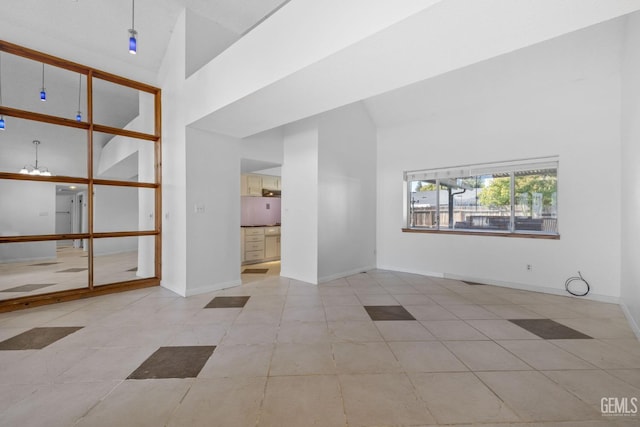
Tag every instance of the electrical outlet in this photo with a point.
(529, 267)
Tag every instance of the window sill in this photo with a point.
(484, 233)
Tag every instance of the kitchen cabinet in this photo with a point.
(260, 244)
(272, 247)
(252, 185)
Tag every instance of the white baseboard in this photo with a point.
(632, 322)
(342, 274)
(212, 287)
(521, 286)
(410, 271)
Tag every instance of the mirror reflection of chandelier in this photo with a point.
(36, 170)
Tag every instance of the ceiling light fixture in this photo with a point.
(79, 115)
(2, 127)
(133, 42)
(43, 92)
(35, 170)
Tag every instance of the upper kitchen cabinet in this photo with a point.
(252, 185)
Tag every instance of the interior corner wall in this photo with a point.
(630, 203)
(578, 120)
(266, 146)
(299, 240)
(213, 212)
(346, 192)
(174, 211)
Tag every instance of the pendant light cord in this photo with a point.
(43, 76)
(133, 14)
(1, 78)
(79, 90)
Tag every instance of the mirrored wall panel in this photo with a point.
(120, 259)
(123, 208)
(123, 159)
(30, 208)
(38, 148)
(42, 88)
(32, 268)
(123, 107)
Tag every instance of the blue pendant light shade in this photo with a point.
(1, 123)
(133, 42)
(43, 92)
(79, 114)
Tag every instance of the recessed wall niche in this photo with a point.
(79, 181)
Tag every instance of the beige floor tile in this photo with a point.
(220, 402)
(302, 401)
(553, 311)
(304, 332)
(430, 312)
(353, 331)
(630, 376)
(591, 386)
(377, 299)
(251, 333)
(541, 354)
(333, 300)
(43, 366)
(346, 312)
(59, 405)
(460, 397)
(304, 314)
(403, 330)
(112, 363)
(365, 357)
(534, 397)
(599, 327)
(502, 330)
(453, 330)
(263, 317)
(303, 301)
(413, 299)
(198, 334)
(471, 311)
(138, 402)
(485, 356)
(426, 356)
(600, 354)
(215, 315)
(382, 400)
(302, 359)
(447, 300)
(10, 394)
(511, 311)
(238, 361)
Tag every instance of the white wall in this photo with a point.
(577, 118)
(213, 212)
(299, 240)
(174, 244)
(265, 146)
(346, 192)
(630, 202)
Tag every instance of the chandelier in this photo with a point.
(35, 170)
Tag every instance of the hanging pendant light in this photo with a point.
(35, 170)
(79, 114)
(2, 125)
(43, 92)
(133, 42)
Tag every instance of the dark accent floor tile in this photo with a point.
(133, 269)
(37, 338)
(72, 270)
(473, 283)
(41, 264)
(174, 362)
(549, 329)
(28, 288)
(227, 302)
(388, 312)
(255, 271)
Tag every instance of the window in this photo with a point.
(517, 197)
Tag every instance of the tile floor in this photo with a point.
(293, 354)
